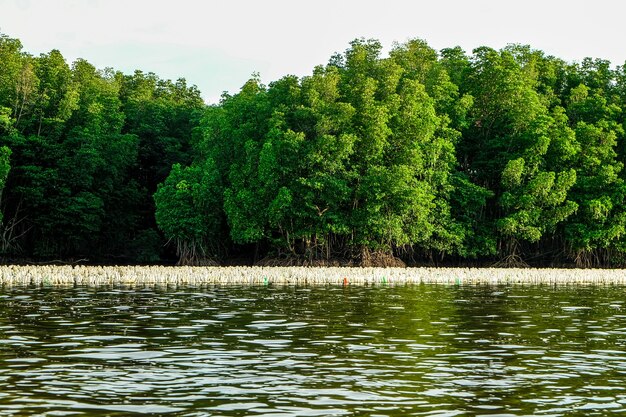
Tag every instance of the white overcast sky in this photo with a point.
(217, 45)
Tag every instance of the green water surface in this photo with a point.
(428, 350)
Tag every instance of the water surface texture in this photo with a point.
(426, 350)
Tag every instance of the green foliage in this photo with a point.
(79, 186)
(498, 154)
(188, 210)
(468, 202)
(469, 155)
(5, 154)
(517, 139)
(5, 166)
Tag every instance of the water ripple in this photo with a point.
(333, 351)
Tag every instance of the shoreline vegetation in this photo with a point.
(197, 276)
(507, 157)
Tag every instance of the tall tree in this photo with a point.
(595, 235)
(189, 211)
(509, 145)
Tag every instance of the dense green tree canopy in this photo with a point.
(507, 156)
(83, 168)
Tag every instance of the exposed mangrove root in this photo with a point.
(365, 259)
(302, 261)
(193, 254)
(511, 261)
(380, 259)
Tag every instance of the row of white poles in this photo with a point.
(161, 275)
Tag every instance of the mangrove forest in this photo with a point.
(416, 156)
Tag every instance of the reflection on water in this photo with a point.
(317, 351)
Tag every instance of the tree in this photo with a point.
(189, 211)
(595, 234)
(5, 166)
(508, 148)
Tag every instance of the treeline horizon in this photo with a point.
(507, 157)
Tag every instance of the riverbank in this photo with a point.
(164, 275)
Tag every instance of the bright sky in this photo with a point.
(218, 44)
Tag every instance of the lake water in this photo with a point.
(426, 350)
